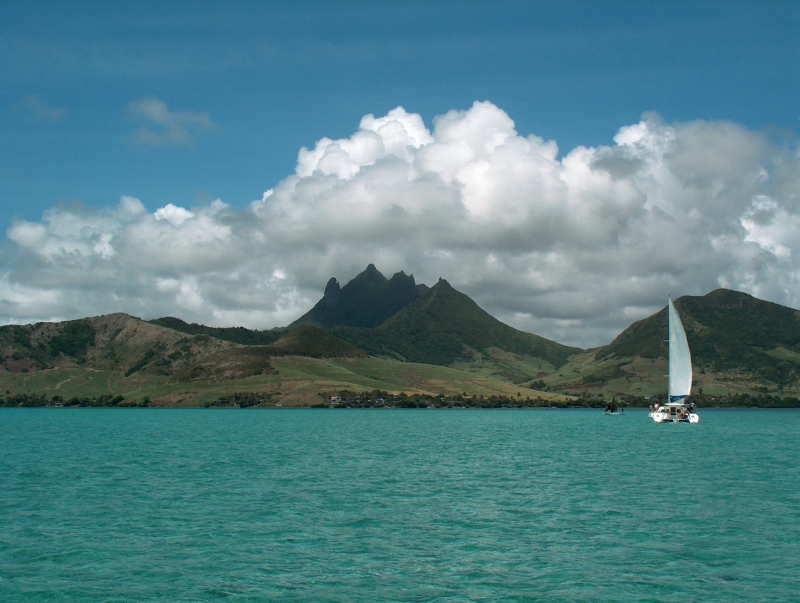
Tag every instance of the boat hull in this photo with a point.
(666, 417)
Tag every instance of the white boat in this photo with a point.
(680, 376)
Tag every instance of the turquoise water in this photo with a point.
(420, 505)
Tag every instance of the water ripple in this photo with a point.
(205, 505)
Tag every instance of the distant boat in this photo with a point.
(680, 376)
(613, 409)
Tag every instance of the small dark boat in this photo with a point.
(613, 409)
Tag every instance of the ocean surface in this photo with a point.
(118, 505)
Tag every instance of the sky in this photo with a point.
(566, 164)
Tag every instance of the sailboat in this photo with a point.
(680, 376)
(613, 409)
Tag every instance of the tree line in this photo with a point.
(41, 400)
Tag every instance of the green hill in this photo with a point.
(229, 365)
(445, 326)
(115, 342)
(314, 342)
(248, 361)
(738, 343)
(366, 301)
(729, 332)
(238, 335)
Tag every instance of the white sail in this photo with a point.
(680, 360)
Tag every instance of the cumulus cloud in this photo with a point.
(39, 109)
(165, 127)
(573, 248)
(172, 214)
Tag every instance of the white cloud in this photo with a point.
(165, 127)
(398, 134)
(572, 248)
(172, 214)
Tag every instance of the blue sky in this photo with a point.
(277, 76)
(184, 103)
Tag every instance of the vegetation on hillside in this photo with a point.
(238, 335)
(442, 340)
(115, 342)
(41, 400)
(243, 400)
(230, 364)
(314, 342)
(74, 340)
(31, 347)
(728, 332)
(17, 352)
(383, 399)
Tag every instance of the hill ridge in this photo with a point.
(728, 331)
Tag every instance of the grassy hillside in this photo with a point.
(441, 342)
(238, 335)
(739, 344)
(287, 380)
(113, 342)
(729, 332)
(366, 301)
(229, 365)
(444, 327)
(314, 342)
(32, 347)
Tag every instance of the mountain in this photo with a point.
(366, 301)
(444, 326)
(729, 332)
(400, 319)
(738, 343)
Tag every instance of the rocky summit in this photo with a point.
(367, 301)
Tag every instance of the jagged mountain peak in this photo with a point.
(368, 300)
(371, 277)
(331, 295)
